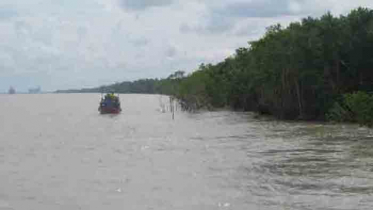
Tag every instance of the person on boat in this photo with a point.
(112, 96)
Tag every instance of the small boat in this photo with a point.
(11, 90)
(110, 104)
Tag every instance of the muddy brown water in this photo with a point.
(58, 153)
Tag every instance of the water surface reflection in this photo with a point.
(57, 152)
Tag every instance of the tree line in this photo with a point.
(317, 68)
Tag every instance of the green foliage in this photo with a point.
(192, 91)
(361, 105)
(296, 72)
(167, 86)
(355, 107)
(340, 113)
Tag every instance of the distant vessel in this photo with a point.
(34, 90)
(110, 104)
(11, 90)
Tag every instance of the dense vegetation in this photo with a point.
(311, 69)
(139, 86)
(354, 107)
(166, 86)
(297, 72)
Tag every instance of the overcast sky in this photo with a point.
(60, 44)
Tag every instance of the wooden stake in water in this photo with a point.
(172, 108)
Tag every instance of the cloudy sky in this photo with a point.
(60, 44)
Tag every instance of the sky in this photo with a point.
(64, 44)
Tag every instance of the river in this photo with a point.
(58, 153)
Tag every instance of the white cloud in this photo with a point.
(74, 43)
(143, 4)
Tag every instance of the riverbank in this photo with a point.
(314, 69)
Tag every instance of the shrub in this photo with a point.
(354, 107)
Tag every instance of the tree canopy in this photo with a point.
(294, 72)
